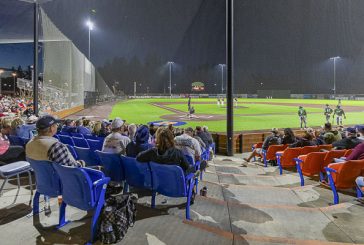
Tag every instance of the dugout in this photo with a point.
(274, 93)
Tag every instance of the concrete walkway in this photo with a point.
(244, 205)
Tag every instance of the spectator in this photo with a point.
(306, 140)
(87, 124)
(69, 126)
(10, 153)
(357, 153)
(273, 139)
(360, 129)
(6, 126)
(288, 137)
(188, 145)
(132, 128)
(116, 142)
(349, 142)
(330, 135)
(44, 147)
(165, 152)
(106, 128)
(26, 130)
(96, 131)
(81, 129)
(360, 183)
(140, 143)
(203, 135)
(208, 134)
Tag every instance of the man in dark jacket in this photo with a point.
(349, 142)
(203, 135)
(140, 143)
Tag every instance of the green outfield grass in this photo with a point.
(253, 117)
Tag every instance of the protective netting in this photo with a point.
(67, 71)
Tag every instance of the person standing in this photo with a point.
(328, 111)
(302, 114)
(218, 102)
(236, 102)
(339, 113)
(189, 103)
(222, 102)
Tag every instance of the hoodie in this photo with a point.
(140, 143)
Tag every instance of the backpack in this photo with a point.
(117, 216)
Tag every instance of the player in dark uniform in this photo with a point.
(302, 114)
(328, 111)
(339, 113)
(189, 103)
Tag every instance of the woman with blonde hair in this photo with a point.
(97, 128)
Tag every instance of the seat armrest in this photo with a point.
(298, 160)
(102, 181)
(189, 176)
(330, 170)
(94, 174)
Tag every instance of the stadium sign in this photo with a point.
(198, 86)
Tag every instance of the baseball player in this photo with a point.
(218, 102)
(302, 114)
(222, 101)
(328, 111)
(236, 102)
(339, 112)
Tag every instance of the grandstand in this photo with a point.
(265, 149)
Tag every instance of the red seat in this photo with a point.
(287, 158)
(270, 154)
(330, 157)
(308, 149)
(325, 147)
(343, 175)
(310, 165)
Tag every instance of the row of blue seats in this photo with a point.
(80, 142)
(84, 188)
(85, 136)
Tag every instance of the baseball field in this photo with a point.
(249, 114)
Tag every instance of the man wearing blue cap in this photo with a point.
(44, 147)
(349, 142)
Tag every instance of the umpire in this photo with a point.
(302, 114)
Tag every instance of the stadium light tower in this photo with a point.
(90, 26)
(14, 76)
(334, 59)
(222, 77)
(1, 72)
(170, 63)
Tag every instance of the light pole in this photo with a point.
(334, 59)
(170, 63)
(14, 76)
(90, 26)
(1, 72)
(222, 77)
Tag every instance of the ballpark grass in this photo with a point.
(253, 117)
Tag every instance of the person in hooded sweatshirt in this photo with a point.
(165, 152)
(140, 143)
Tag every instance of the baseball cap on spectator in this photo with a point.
(117, 123)
(32, 119)
(46, 121)
(274, 130)
(351, 130)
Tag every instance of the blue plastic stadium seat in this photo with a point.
(111, 162)
(9, 170)
(78, 135)
(95, 145)
(84, 189)
(80, 142)
(169, 180)
(73, 152)
(66, 139)
(15, 140)
(137, 174)
(87, 155)
(47, 181)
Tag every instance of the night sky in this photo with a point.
(281, 43)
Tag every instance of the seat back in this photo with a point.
(329, 158)
(77, 188)
(348, 152)
(87, 155)
(325, 147)
(93, 137)
(137, 174)
(73, 152)
(65, 139)
(80, 142)
(287, 159)
(273, 149)
(347, 174)
(95, 145)
(313, 163)
(47, 179)
(308, 149)
(190, 160)
(15, 140)
(112, 165)
(63, 133)
(78, 135)
(168, 180)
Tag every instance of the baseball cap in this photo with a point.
(351, 130)
(117, 123)
(46, 121)
(274, 130)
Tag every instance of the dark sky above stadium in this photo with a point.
(279, 44)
